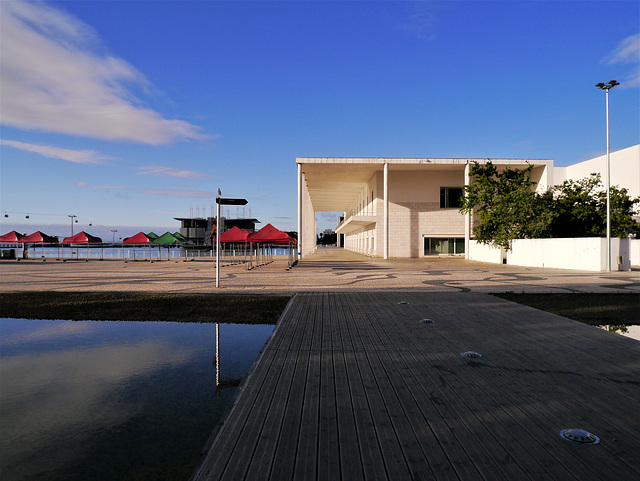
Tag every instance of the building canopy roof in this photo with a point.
(334, 182)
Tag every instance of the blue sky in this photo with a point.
(130, 113)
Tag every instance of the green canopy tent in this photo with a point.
(167, 239)
(180, 237)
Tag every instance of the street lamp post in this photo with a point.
(222, 201)
(606, 87)
(72, 217)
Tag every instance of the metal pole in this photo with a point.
(608, 196)
(218, 243)
(606, 87)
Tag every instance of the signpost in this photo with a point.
(222, 201)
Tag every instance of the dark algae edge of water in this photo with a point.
(593, 308)
(136, 306)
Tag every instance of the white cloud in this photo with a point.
(55, 78)
(421, 22)
(76, 156)
(177, 193)
(197, 194)
(627, 52)
(171, 172)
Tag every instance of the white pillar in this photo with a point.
(467, 216)
(386, 212)
(299, 211)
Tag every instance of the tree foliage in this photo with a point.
(580, 209)
(507, 207)
(505, 204)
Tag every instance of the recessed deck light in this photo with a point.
(471, 354)
(579, 436)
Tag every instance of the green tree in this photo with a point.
(580, 209)
(506, 205)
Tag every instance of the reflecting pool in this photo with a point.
(108, 400)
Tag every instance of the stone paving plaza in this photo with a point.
(330, 269)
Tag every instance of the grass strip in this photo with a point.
(125, 306)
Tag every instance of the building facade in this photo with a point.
(198, 230)
(398, 207)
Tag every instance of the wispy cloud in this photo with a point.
(196, 194)
(627, 52)
(171, 172)
(56, 78)
(420, 21)
(76, 156)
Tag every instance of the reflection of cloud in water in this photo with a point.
(50, 331)
(78, 383)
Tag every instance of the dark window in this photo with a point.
(436, 245)
(450, 197)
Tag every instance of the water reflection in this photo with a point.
(631, 331)
(80, 398)
(222, 383)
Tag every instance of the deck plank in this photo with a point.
(353, 386)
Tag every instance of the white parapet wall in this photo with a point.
(584, 254)
(634, 252)
(484, 253)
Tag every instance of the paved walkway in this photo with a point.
(354, 386)
(331, 269)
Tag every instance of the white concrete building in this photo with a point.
(398, 207)
(625, 169)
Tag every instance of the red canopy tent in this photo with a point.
(12, 237)
(139, 238)
(82, 238)
(235, 235)
(269, 235)
(39, 238)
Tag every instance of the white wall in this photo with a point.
(582, 253)
(634, 252)
(625, 169)
(414, 209)
(585, 254)
(484, 253)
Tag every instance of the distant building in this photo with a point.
(199, 229)
(397, 207)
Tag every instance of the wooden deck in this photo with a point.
(353, 386)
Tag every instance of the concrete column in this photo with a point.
(467, 217)
(385, 248)
(299, 211)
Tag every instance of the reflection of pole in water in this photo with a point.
(217, 354)
(222, 383)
